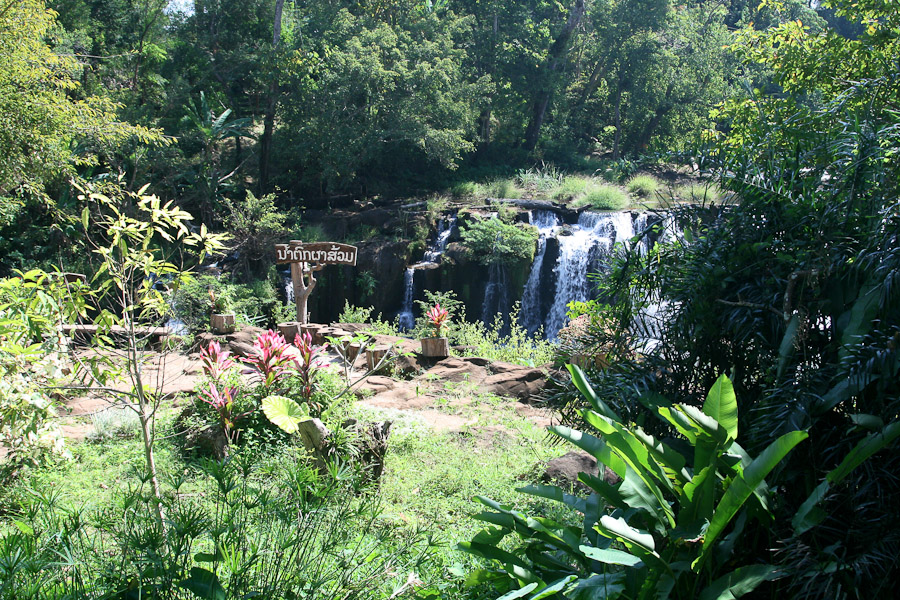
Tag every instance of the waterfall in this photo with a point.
(439, 245)
(496, 294)
(588, 243)
(530, 314)
(406, 319)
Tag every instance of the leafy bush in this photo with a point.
(255, 225)
(491, 241)
(255, 302)
(642, 185)
(603, 197)
(258, 529)
(505, 339)
(668, 506)
(540, 179)
(571, 187)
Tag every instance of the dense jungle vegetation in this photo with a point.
(749, 450)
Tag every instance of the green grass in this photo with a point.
(603, 197)
(643, 186)
(571, 187)
(697, 192)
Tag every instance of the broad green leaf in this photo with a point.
(742, 488)
(520, 593)
(204, 584)
(598, 587)
(809, 515)
(786, 349)
(611, 556)
(721, 405)
(587, 391)
(593, 446)
(616, 527)
(553, 588)
(742, 580)
(284, 412)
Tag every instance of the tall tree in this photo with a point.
(549, 80)
(265, 145)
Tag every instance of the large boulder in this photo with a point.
(515, 381)
(563, 471)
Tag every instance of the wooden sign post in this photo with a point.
(306, 259)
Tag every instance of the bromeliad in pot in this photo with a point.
(437, 346)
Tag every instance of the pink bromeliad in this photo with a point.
(215, 361)
(271, 357)
(438, 317)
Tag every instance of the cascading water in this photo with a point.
(592, 238)
(530, 315)
(496, 293)
(439, 245)
(405, 319)
(434, 251)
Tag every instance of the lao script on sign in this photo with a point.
(320, 253)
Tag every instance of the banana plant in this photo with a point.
(664, 519)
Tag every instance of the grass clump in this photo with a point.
(545, 178)
(603, 197)
(571, 187)
(503, 188)
(697, 192)
(643, 186)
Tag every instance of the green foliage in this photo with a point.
(571, 187)
(284, 413)
(491, 241)
(660, 533)
(603, 197)
(644, 186)
(256, 303)
(256, 530)
(791, 287)
(255, 225)
(42, 124)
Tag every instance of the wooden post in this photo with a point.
(375, 355)
(302, 288)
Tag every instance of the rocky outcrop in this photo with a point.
(563, 471)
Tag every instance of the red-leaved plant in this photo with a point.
(308, 360)
(438, 317)
(223, 401)
(215, 361)
(271, 358)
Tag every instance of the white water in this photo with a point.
(437, 248)
(595, 233)
(530, 317)
(406, 319)
(496, 294)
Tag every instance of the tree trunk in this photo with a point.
(302, 288)
(618, 116)
(554, 58)
(265, 144)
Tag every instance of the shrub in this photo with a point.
(669, 505)
(464, 189)
(571, 188)
(541, 179)
(697, 192)
(642, 185)
(603, 197)
(502, 188)
(257, 530)
(491, 241)
(255, 302)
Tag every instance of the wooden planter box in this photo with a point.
(435, 347)
(374, 356)
(289, 330)
(222, 323)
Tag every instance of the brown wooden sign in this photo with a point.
(305, 259)
(319, 253)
